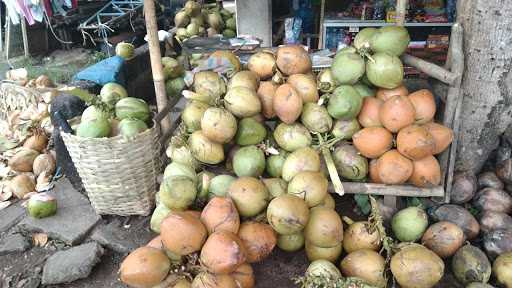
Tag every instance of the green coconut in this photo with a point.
(172, 68)
(181, 154)
(249, 161)
(218, 124)
(249, 195)
(178, 192)
(301, 160)
(314, 252)
(291, 137)
(242, 101)
(364, 90)
(174, 87)
(291, 243)
(470, 264)
(98, 128)
(363, 38)
(181, 19)
(125, 50)
(210, 85)
(385, 70)
(192, 8)
(323, 269)
(129, 128)
(310, 186)
(219, 185)
(287, 214)
(130, 107)
(347, 68)
(275, 163)
(349, 163)
(344, 129)
(42, 205)
(215, 20)
(192, 115)
(192, 29)
(108, 89)
(160, 213)
(325, 81)
(92, 113)
(250, 132)
(409, 224)
(228, 33)
(198, 20)
(390, 39)
(181, 33)
(231, 23)
(180, 169)
(348, 49)
(204, 180)
(205, 150)
(344, 103)
(275, 186)
(316, 118)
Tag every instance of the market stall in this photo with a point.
(251, 155)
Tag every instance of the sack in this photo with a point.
(103, 72)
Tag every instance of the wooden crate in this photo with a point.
(450, 116)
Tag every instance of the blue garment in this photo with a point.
(103, 72)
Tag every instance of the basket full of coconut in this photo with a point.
(115, 149)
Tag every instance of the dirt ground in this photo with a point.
(276, 271)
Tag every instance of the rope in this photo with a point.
(53, 32)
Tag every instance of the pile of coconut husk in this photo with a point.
(27, 163)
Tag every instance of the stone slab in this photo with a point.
(74, 219)
(10, 216)
(72, 264)
(13, 243)
(123, 239)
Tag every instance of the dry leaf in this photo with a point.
(39, 239)
(5, 194)
(5, 204)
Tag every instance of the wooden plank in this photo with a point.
(430, 69)
(454, 96)
(389, 190)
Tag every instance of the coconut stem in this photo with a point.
(347, 220)
(333, 173)
(376, 222)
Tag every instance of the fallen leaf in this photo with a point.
(5, 204)
(5, 194)
(39, 239)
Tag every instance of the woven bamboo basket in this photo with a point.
(16, 97)
(120, 176)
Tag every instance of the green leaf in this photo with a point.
(363, 203)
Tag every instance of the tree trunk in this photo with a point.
(487, 80)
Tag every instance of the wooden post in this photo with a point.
(400, 12)
(321, 33)
(24, 36)
(156, 62)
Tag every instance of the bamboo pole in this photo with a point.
(156, 62)
(400, 12)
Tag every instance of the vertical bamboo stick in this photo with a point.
(321, 33)
(400, 12)
(156, 61)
